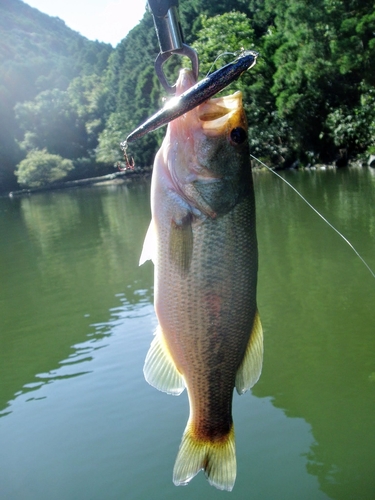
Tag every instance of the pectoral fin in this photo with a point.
(159, 368)
(181, 244)
(251, 366)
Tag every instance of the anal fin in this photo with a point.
(159, 368)
(251, 366)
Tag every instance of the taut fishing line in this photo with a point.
(318, 213)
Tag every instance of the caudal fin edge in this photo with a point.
(217, 459)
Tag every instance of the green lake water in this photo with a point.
(77, 419)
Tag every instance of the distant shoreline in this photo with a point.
(125, 177)
(114, 178)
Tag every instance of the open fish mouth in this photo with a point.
(219, 107)
(218, 114)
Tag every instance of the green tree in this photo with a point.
(226, 33)
(41, 168)
(353, 129)
(88, 95)
(322, 57)
(108, 150)
(67, 123)
(304, 72)
(352, 25)
(51, 122)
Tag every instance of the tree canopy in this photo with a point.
(40, 168)
(310, 96)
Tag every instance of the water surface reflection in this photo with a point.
(63, 259)
(316, 300)
(78, 419)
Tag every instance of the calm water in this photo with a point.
(77, 419)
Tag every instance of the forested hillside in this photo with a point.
(39, 59)
(67, 103)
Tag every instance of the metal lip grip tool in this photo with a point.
(170, 37)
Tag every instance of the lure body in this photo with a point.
(196, 95)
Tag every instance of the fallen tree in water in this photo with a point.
(116, 177)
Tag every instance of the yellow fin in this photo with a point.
(251, 366)
(149, 245)
(159, 368)
(181, 244)
(218, 459)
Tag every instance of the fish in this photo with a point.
(195, 95)
(202, 241)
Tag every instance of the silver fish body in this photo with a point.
(202, 239)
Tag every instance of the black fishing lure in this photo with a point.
(195, 95)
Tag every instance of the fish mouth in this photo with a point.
(222, 113)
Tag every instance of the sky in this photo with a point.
(104, 20)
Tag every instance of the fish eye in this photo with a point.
(238, 135)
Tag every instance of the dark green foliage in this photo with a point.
(354, 128)
(322, 57)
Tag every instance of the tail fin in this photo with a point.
(218, 459)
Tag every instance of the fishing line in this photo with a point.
(318, 213)
(235, 54)
(217, 58)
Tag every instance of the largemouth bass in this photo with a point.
(202, 241)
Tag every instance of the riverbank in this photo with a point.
(130, 175)
(114, 178)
